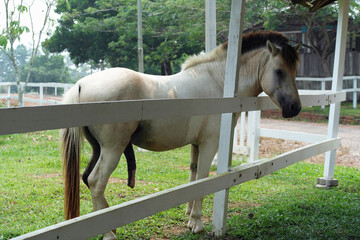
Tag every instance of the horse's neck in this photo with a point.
(251, 71)
(207, 79)
(203, 80)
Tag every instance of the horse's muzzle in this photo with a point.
(290, 110)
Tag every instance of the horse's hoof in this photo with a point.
(190, 224)
(196, 225)
(109, 236)
(198, 228)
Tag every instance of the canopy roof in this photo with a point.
(313, 5)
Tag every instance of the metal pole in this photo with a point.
(210, 25)
(140, 38)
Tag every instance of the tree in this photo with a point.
(320, 25)
(47, 68)
(6, 66)
(105, 32)
(11, 34)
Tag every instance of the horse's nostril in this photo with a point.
(295, 107)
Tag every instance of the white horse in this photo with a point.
(268, 63)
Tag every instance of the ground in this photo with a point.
(13, 102)
(347, 155)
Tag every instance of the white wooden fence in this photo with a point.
(40, 86)
(355, 88)
(65, 86)
(19, 120)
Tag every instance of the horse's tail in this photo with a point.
(71, 148)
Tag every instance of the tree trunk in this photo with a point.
(20, 90)
(326, 67)
(166, 67)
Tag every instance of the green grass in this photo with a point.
(284, 205)
(346, 110)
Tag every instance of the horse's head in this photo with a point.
(279, 78)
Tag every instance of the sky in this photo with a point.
(38, 9)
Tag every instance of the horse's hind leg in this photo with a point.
(131, 164)
(193, 171)
(99, 176)
(129, 154)
(112, 139)
(94, 157)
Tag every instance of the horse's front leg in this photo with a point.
(193, 171)
(207, 151)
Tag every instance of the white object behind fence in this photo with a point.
(41, 101)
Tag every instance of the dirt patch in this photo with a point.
(169, 233)
(124, 181)
(347, 155)
(48, 175)
(270, 147)
(14, 102)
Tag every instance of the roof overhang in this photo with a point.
(313, 5)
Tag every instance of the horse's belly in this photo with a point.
(166, 134)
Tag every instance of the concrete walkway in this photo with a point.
(350, 134)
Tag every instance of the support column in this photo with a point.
(253, 135)
(355, 93)
(140, 38)
(210, 25)
(41, 92)
(9, 96)
(228, 119)
(339, 60)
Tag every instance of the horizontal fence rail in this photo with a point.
(355, 89)
(95, 223)
(29, 119)
(40, 86)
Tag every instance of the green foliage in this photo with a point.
(3, 42)
(48, 68)
(284, 205)
(107, 31)
(45, 68)
(345, 110)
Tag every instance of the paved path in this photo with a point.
(350, 134)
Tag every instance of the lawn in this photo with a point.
(346, 110)
(284, 205)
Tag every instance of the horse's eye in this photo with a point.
(279, 73)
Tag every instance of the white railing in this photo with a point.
(20, 120)
(355, 89)
(40, 86)
(254, 132)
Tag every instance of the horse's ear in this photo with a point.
(272, 48)
(298, 46)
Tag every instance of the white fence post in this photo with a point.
(355, 92)
(323, 88)
(242, 129)
(9, 96)
(253, 135)
(41, 91)
(339, 61)
(228, 120)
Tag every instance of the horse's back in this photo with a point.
(110, 85)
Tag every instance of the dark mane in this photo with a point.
(255, 40)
